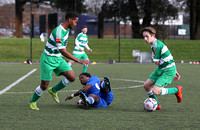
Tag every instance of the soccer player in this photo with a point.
(81, 42)
(95, 93)
(166, 70)
(51, 60)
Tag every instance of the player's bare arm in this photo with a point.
(177, 76)
(85, 89)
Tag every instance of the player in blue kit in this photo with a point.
(95, 93)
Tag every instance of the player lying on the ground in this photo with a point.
(166, 70)
(95, 93)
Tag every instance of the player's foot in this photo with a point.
(179, 94)
(158, 107)
(84, 98)
(107, 83)
(33, 106)
(54, 95)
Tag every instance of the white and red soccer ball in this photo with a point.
(150, 104)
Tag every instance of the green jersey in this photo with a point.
(162, 54)
(81, 42)
(57, 40)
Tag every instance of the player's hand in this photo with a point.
(90, 50)
(84, 62)
(68, 98)
(177, 76)
(80, 49)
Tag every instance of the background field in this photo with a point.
(18, 50)
(126, 111)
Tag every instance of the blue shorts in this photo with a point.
(101, 103)
(104, 100)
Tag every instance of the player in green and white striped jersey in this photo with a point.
(52, 61)
(166, 70)
(81, 42)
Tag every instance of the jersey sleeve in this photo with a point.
(60, 39)
(77, 41)
(156, 53)
(93, 80)
(87, 47)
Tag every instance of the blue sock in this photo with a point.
(91, 100)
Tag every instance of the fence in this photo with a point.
(45, 18)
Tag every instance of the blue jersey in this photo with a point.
(95, 83)
(104, 99)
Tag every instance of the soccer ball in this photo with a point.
(150, 104)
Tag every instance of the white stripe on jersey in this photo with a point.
(49, 54)
(168, 66)
(164, 49)
(51, 46)
(170, 57)
(83, 38)
(51, 37)
(79, 47)
(78, 52)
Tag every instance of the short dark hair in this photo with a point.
(70, 15)
(84, 26)
(149, 29)
(86, 74)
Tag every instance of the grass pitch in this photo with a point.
(126, 111)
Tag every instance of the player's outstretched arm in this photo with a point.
(84, 89)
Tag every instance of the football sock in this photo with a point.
(151, 95)
(63, 83)
(103, 85)
(37, 94)
(167, 91)
(85, 68)
(91, 100)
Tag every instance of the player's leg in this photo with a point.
(148, 87)
(65, 70)
(87, 101)
(166, 79)
(46, 77)
(85, 67)
(105, 85)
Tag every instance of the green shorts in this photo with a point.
(81, 56)
(163, 77)
(48, 64)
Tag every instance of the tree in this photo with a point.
(69, 5)
(134, 10)
(194, 19)
(64, 5)
(19, 16)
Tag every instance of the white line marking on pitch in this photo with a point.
(137, 86)
(16, 82)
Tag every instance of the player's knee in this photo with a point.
(72, 79)
(146, 86)
(95, 97)
(156, 91)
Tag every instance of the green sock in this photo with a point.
(34, 98)
(85, 68)
(167, 91)
(154, 96)
(62, 84)
(151, 95)
(37, 94)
